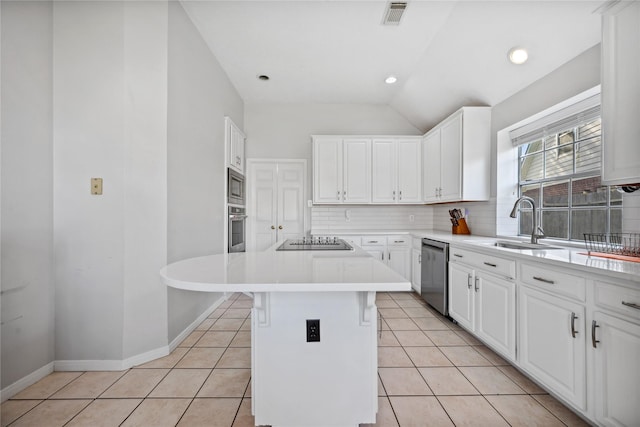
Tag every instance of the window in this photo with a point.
(559, 167)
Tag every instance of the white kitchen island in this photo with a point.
(296, 383)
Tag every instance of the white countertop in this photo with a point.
(284, 271)
(573, 258)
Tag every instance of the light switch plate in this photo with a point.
(96, 186)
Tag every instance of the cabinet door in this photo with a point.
(399, 260)
(327, 170)
(377, 252)
(431, 166)
(617, 371)
(409, 171)
(461, 295)
(416, 267)
(451, 160)
(384, 171)
(620, 89)
(496, 313)
(552, 342)
(356, 185)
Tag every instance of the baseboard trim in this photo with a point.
(106, 365)
(185, 333)
(24, 382)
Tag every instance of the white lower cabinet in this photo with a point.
(395, 251)
(616, 347)
(552, 343)
(416, 270)
(461, 307)
(485, 305)
(496, 313)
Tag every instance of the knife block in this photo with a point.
(461, 228)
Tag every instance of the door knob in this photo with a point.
(279, 227)
(273, 227)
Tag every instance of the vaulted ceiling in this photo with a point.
(445, 54)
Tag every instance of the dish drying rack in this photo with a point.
(627, 244)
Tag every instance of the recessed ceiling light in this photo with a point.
(390, 80)
(518, 55)
(263, 77)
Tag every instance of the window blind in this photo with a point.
(569, 117)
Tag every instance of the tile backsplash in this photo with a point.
(333, 219)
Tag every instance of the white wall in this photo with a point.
(110, 121)
(27, 192)
(200, 95)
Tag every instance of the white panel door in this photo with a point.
(290, 195)
(275, 206)
(431, 166)
(552, 342)
(327, 170)
(384, 171)
(451, 160)
(356, 185)
(461, 295)
(617, 370)
(262, 205)
(496, 313)
(409, 171)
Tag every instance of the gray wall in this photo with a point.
(27, 193)
(200, 95)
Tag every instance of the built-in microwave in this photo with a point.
(235, 188)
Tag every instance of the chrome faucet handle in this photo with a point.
(538, 233)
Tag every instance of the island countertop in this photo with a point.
(284, 271)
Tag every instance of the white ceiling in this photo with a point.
(445, 53)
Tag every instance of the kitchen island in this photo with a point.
(318, 373)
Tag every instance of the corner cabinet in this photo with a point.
(235, 140)
(341, 170)
(397, 170)
(621, 93)
(457, 159)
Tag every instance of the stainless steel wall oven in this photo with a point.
(237, 229)
(235, 188)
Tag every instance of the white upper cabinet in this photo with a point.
(341, 170)
(397, 170)
(235, 140)
(457, 157)
(620, 94)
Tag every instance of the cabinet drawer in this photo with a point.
(351, 239)
(542, 277)
(618, 299)
(399, 240)
(374, 240)
(485, 262)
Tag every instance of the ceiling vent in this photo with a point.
(393, 13)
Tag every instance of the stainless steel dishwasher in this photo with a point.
(434, 275)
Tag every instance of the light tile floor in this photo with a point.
(430, 373)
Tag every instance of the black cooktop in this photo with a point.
(315, 244)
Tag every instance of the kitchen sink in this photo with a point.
(523, 245)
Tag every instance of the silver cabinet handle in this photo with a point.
(542, 279)
(469, 281)
(436, 194)
(476, 287)
(631, 304)
(382, 256)
(458, 256)
(573, 325)
(594, 341)
(420, 259)
(344, 195)
(394, 194)
(389, 256)
(490, 264)
(400, 195)
(372, 241)
(440, 192)
(398, 241)
(338, 194)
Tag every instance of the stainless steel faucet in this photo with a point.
(537, 231)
